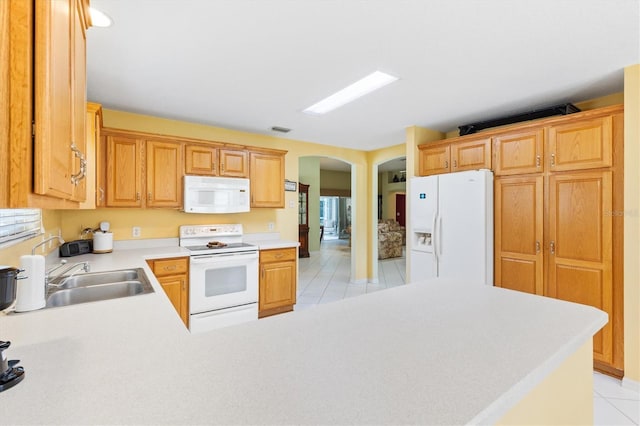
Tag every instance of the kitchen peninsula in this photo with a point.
(427, 353)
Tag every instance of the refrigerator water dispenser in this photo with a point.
(422, 241)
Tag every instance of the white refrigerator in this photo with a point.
(451, 221)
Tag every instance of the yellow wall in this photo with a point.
(333, 179)
(632, 223)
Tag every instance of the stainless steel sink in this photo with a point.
(97, 278)
(96, 286)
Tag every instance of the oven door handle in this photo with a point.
(207, 259)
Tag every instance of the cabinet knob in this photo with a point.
(101, 194)
(221, 167)
(538, 160)
(149, 196)
(446, 164)
(537, 246)
(279, 255)
(552, 247)
(169, 268)
(553, 160)
(455, 163)
(137, 196)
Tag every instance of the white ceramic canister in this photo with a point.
(102, 242)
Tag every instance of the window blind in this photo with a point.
(19, 224)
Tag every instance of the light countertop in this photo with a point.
(426, 353)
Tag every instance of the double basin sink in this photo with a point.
(96, 286)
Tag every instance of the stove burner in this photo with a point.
(216, 244)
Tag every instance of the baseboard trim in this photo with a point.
(361, 281)
(630, 384)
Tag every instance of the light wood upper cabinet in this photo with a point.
(164, 174)
(434, 160)
(580, 145)
(60, 99)
(518, 152)
(278, 279)
(267, 179)
(580, 247)
(455, 156)
(201, 160)
(233, 163)
(213, 160)
(471, 155)
(124, 171)
(519, 215)
(95, 193)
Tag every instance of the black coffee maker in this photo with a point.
(10, 373)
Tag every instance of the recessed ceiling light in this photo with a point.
(99, 18)
(368, 84)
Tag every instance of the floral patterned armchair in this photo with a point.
(389, 242)
(394, 226)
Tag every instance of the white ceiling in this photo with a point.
(251, 65)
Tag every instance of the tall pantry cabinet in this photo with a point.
(558, 188)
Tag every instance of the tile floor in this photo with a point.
(324, 277)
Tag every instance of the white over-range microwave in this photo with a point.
(207, 194)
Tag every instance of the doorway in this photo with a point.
(335, 217)
(401, 209)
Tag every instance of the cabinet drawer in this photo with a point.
(277, 255)
(174, 266)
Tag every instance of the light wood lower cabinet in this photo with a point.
(278, 281)
(173, 275)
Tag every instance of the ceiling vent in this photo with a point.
(280, 129)
(563, 109)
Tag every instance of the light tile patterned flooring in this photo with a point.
(324, 277)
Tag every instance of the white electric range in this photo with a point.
(223, 276)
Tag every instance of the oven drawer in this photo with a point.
(277, 255)
(176, 266)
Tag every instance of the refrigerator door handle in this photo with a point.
(433, 236)
(439, 236)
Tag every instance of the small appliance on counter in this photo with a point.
(76, 248)
(103, 239)
(10, 373)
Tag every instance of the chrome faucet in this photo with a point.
(55, 237)
(48, 277)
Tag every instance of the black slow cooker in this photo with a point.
(8, 280)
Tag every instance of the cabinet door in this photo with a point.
(471, 155)
(233, 163)
(175, 286)
(277, 285)
(580, 250)
(79, 103)
(518, 153)
(53, 158)
(434, 160)
(201, 160)
(164, 174)
(519, 235)
(124, 172)
(94, 189)
(267, 180)
(585, 144)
